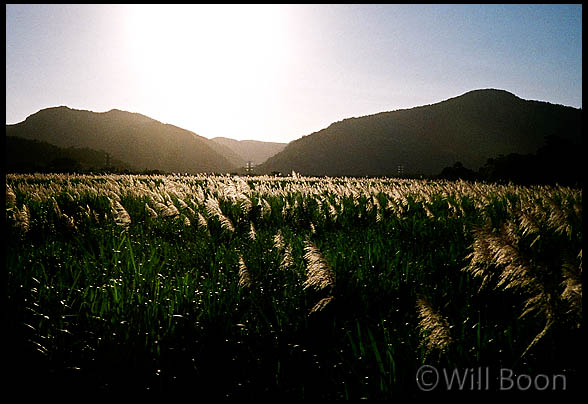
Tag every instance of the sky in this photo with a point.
(280, 72)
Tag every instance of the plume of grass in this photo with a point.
(213, 209)
(150, 211)
(286, 210)
(202, 223)
(558, 219)
(166, 210)
(332, 210)
(245, 203)
(22, 218)
(287, 259)
(572, 293)
(252, 232)
(496, 257)
(530, 224)
(321, 304)
(121, 216)
(56, 208)
(170, 210)
(279, 240)
(69, 222)
(64, 218)
(319, 274)
(266, 208)
(182, 204)
(433, 327)
(10, 196)
(244, 276)
(88, 214)
(185, 207)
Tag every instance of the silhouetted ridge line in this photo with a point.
(137, 140)
(470, 128)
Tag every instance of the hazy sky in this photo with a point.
(279, 72)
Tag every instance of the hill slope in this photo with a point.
(470, 128)
(141, 142)
(234, 158)
(24, 155)
(251, 150)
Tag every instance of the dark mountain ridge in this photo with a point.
(24, 155)
(139, 141)
(423, 140)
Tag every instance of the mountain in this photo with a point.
(139, 141)
(234, 158)
(469, 128)
(251, 150)
(24, 155)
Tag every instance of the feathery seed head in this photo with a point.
(287, 260)
(434, 328)
(121, 216)
(10, 196)
(321, 304)
(150, 211)
(244, 276)
(213, 209)
(22, 218)
(319, 273)
(279, 240)
(252, 233)
(202, 221)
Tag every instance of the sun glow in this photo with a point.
(195, 61)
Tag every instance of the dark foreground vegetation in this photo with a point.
(559, 161)
(305, 288)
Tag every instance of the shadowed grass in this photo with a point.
(306, 288)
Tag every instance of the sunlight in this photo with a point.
(202, 58)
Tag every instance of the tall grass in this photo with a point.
(327, 288)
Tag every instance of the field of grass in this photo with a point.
(264, 287)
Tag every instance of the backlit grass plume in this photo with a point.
(213, 209)
(279, 240)
(10, 196)
(433, 327)
(252, 232)
(150, 211)
(497, 259)
(244, 276)
(166, 209)
(22, 218)
(66, 220)
(121, 216)
(319, 274)
(202, 221)
(321, 304)
(287, 260)
(572, 293)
